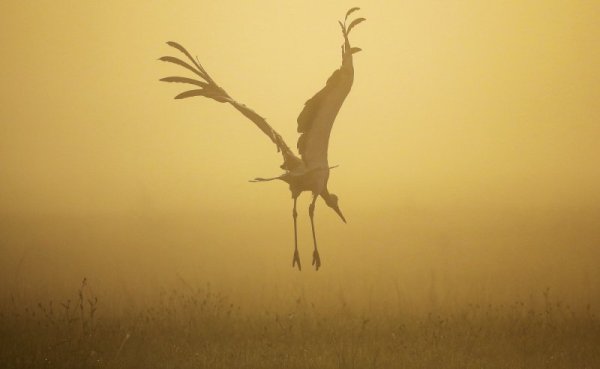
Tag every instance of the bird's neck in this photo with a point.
(326, 195)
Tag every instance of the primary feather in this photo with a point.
(318, 115)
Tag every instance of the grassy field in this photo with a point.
(202, 329)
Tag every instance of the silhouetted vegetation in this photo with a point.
(203, 329)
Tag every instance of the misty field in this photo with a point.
(200, 328)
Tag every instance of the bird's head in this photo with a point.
(332, 201)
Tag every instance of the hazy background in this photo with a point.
(468, 151)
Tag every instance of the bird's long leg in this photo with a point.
(311, 212)
(296, 255)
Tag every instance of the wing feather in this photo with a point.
(318, 115)
(351, 10)
(317, 118)
(174, 60)
(185, 80)
(186, 53)
(210, 89)
(354, 23)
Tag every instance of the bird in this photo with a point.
(309, 171)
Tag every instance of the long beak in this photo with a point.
(339, 212)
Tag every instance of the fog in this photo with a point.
(467, 153)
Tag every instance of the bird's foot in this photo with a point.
(296, 260)
(316, 260)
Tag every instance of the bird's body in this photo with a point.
(309, 172)
(314, 181)
(305, 180)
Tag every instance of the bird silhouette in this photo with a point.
(310, 171)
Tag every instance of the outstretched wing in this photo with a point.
(316, 119)
(209, 88)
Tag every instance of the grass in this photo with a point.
(203, 329)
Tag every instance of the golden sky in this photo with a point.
(465, 117)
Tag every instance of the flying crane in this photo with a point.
(310, 171)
